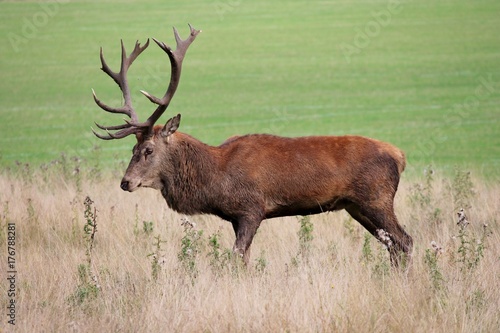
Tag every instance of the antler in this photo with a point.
(133, 126)
(120, 79)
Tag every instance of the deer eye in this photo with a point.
(148, 151)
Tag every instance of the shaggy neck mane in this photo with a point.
(189, 181)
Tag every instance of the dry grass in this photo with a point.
(341, 283)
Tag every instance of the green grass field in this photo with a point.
(420, 74)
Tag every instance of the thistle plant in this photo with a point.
(88, 287)
(90, 229)
(156, 258)
(421, 196)
(190, 248)
(219, 257)
(462, 189)
(261, 263)
(470, 249)
(431, 260)
(147, 227)
(377, 261)
(305, 240)
(349, 227)
(305, 235)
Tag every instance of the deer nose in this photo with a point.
(124, 185)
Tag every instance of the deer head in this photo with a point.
(152, 142)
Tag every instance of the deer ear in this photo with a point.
(171, 126)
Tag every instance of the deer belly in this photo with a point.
(305, 206)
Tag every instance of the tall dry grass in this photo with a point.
(150, 274)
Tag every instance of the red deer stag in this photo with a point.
(254, 177)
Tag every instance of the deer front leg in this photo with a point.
(245, 229)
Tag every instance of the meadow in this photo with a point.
(90, 257)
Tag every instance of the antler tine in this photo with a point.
(114, 128)
(108, 108)
(102, 137)
(176, 57)
(117, 135)
(126, 62)
(120, 79)
(133, 126)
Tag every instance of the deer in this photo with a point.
(251, 178)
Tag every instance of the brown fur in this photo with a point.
(254, 177)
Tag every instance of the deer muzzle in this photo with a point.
(124, 185)
(129, 184)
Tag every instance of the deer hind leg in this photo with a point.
(383, 225)
(245, 230)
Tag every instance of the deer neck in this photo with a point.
(189, 174)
